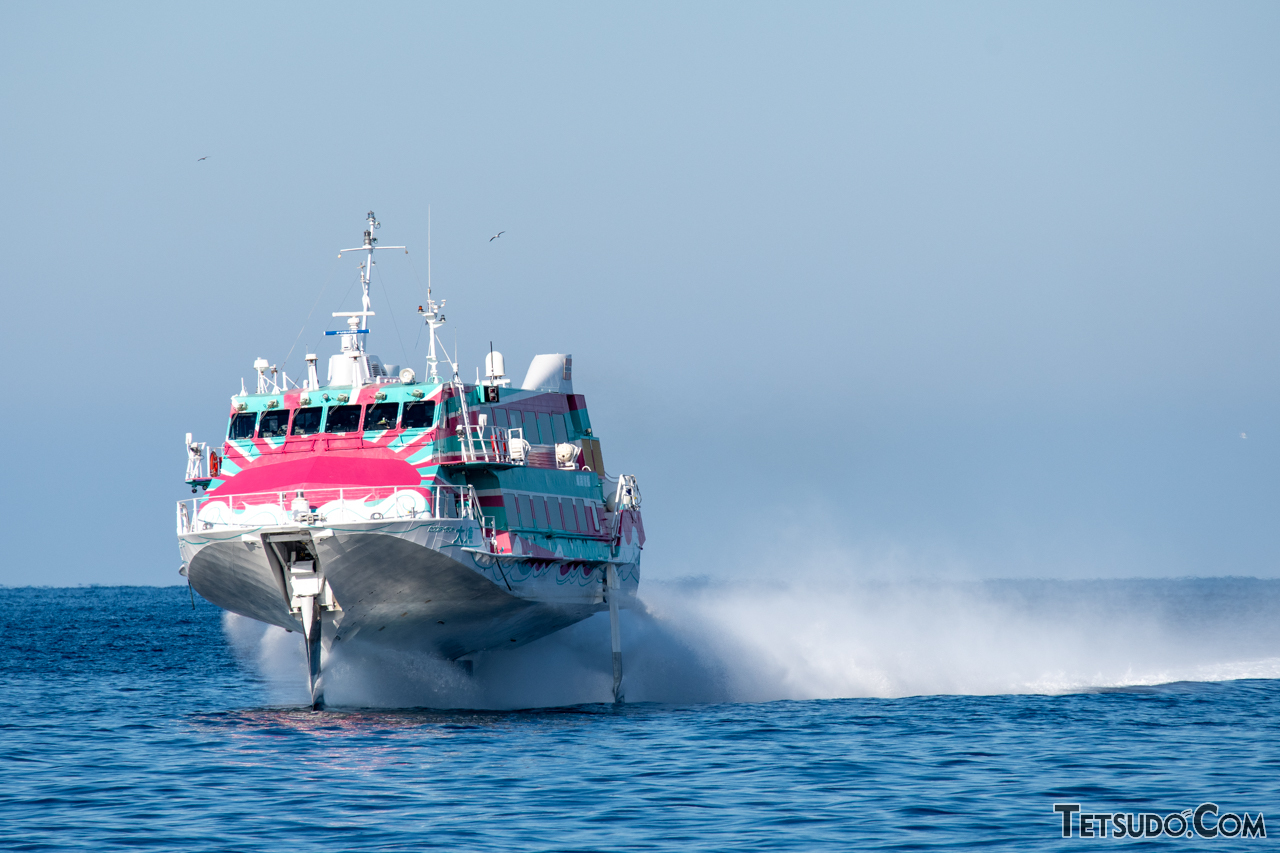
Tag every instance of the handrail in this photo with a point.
(341, 503)
(492, 444)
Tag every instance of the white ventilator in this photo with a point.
(553, 372)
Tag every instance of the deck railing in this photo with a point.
(482, 443)
(330, 505)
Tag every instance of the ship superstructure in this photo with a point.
(423, 512)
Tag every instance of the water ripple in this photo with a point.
(142, 729)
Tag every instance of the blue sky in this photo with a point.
(903, 289)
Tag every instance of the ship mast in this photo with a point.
(358, 321)
(433, 315)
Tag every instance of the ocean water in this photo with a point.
(915, 715)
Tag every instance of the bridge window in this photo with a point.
(343, 419)
(307, 421)
(274, 424)
(557, 427)
(382, 416)
(242, 426)
(419, 415)
(500, 418)
(544, 429)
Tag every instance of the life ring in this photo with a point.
(214, 464)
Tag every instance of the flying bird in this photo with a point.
(496, 236)
(203, 158)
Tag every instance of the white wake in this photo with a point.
(703, 641)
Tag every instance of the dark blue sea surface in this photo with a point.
(128, 720)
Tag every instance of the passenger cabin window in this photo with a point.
(343, 419)
(242, 426)
(307, 421)
(382, 416)
(557, 517)
(419, 415)
(273, 424)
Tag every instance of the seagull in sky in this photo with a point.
(203, 158)
(496, 236)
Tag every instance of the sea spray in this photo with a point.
(697, 641)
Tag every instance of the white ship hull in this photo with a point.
(412, 584)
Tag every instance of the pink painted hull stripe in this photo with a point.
(322, 472)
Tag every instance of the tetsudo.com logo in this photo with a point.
(1203, 821)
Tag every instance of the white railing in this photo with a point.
(479, 443)
(482, 443)
(333, 505)
(626, 493)
(202, 463)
